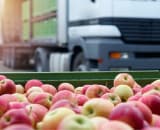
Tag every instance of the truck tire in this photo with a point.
(42, 60)
(80, 63)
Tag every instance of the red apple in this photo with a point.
(7, 86)
(53, 118)
(49, 89)
(76, 122)
(113, 97)
(14, 116)
(96, 91)
(135, 97)
(33, 82)
(97, 107)
(116, 125)
(66, 86)
(129, 114)
(19, 127)
(145, 110)
(152, 101)
(17, 105)
(85, 87)
(124, 79)
(147, 88)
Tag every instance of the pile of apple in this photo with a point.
(39, 106)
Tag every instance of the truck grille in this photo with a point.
(139, 30)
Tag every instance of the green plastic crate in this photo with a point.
(45, 29)
(41, 7)
(25, 10)
(81, 78)
(26, 31)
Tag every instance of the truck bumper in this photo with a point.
(137, 56)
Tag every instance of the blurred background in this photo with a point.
(79, 35)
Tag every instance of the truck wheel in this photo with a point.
(80, 63)
(42, 60)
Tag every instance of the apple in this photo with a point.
(116, 125)
(53, 118)
(151, 128)
(67, 104)
(85, 87)
(113, 97)
(44, 99)
(152, 92)
(147, 88)
(32, 82)
(124, 92)
(19, 88)
(33, 89)
(155, 120)
(78, 90)
(14, 116)
(49, 89)
(96, 91)
(19, 127)
(129, 114)
(63, 94)
(17, 105)
(152, 101)
(2, 77)
(145, 110)
(123, 79)
(76, 122)
(135, 97)
(136, 88)
(7, 86)
(66, 86)
(81, 99)
(98, 121)
(20, 97)
(97, 107)
(36, 112)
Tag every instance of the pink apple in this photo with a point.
(66, 103)
(66, 86)
(147, 88)
(136, 88)
(49, 88)
(116, 125)
(152, 101)
(17, 105)
(76, 122)
(36, 112)
(32, 82)
(151, 128)
(81, 99)
(19, 127)
(129, 114)
(44, 99)
(96, 91)
(19, 88)
(85, 87)
(155, 120)
(145, 110)
(53, 118)
(124, 92)
(113, 97)
(14, 116)
(97, 107)
(63, 94)
(135, 97)
(33, 89)
(2, 77)
(7, 86)
(124, 79)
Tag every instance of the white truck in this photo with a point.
(99, 35)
